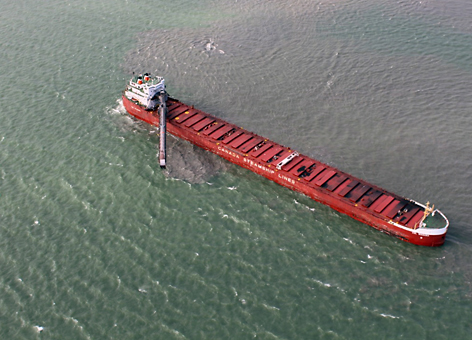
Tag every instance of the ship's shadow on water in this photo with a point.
(192, 164)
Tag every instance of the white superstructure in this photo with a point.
(145, 90)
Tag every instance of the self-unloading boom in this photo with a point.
(162, 128)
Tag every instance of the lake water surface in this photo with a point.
(96, 242)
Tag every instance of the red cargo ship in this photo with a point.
(401, 217)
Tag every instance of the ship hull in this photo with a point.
(355, 207)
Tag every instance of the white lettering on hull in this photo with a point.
(229, 152)
(258, 166)
(288, 179)
(246, 160)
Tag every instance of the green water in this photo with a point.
(96, 242)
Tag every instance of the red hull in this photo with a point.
(347, 194)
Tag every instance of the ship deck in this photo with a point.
(312, 173)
